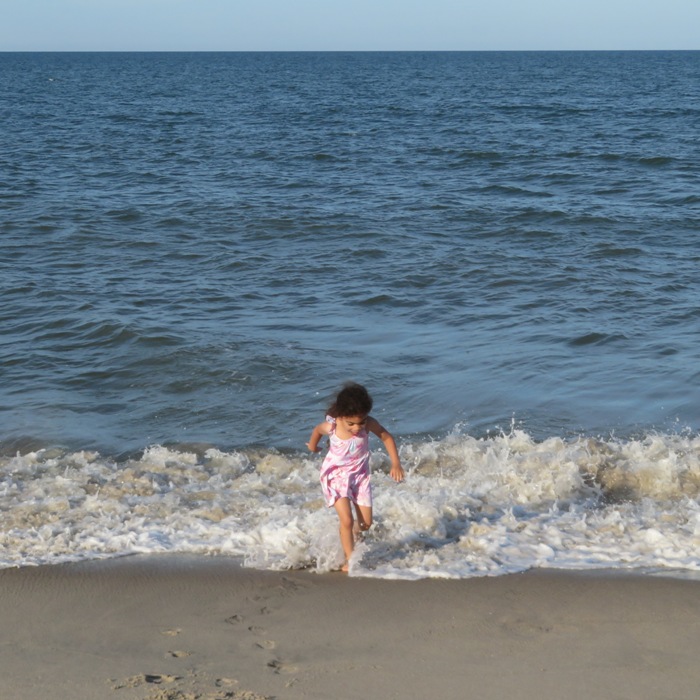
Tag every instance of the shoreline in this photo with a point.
(181, 627)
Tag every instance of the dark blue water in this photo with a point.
(200, 248)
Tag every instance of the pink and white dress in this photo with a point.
(345, 469)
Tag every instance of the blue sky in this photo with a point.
(355, 25)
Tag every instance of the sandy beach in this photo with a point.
(170, 628)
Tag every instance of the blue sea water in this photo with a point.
(199, 249)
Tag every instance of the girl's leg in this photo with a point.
(344, 511)
(363, 521)
(364, 517)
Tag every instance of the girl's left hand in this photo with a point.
(397, 473)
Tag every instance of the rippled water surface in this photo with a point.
(198, 249)
(201, 247)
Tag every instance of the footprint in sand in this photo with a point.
(171, 632)
(156, 678)
(281, 667)
(234, 619)
(266, 644)
(179, 654)
(289, 585)
(520, 627)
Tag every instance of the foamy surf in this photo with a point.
(469, 507)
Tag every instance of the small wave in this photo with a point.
(378, 300)
(683, 199)
(609, 250)
(657, 161)
(595, 339)
(517, 191)
(180, 113)
(123, 118)
(130, 215)
(612, 157)
(469, 507)
(466, 156)
(327, 157)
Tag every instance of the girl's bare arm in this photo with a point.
(396, 473)
(318, 432)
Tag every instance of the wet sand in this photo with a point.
(190, 628)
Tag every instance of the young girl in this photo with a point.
(345, 471)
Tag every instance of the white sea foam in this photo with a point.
(469, 507)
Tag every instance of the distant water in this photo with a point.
(198, 249)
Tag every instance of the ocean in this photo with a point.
(199, 249)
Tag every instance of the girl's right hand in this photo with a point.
(397, 473)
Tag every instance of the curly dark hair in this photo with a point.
(352, 400)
